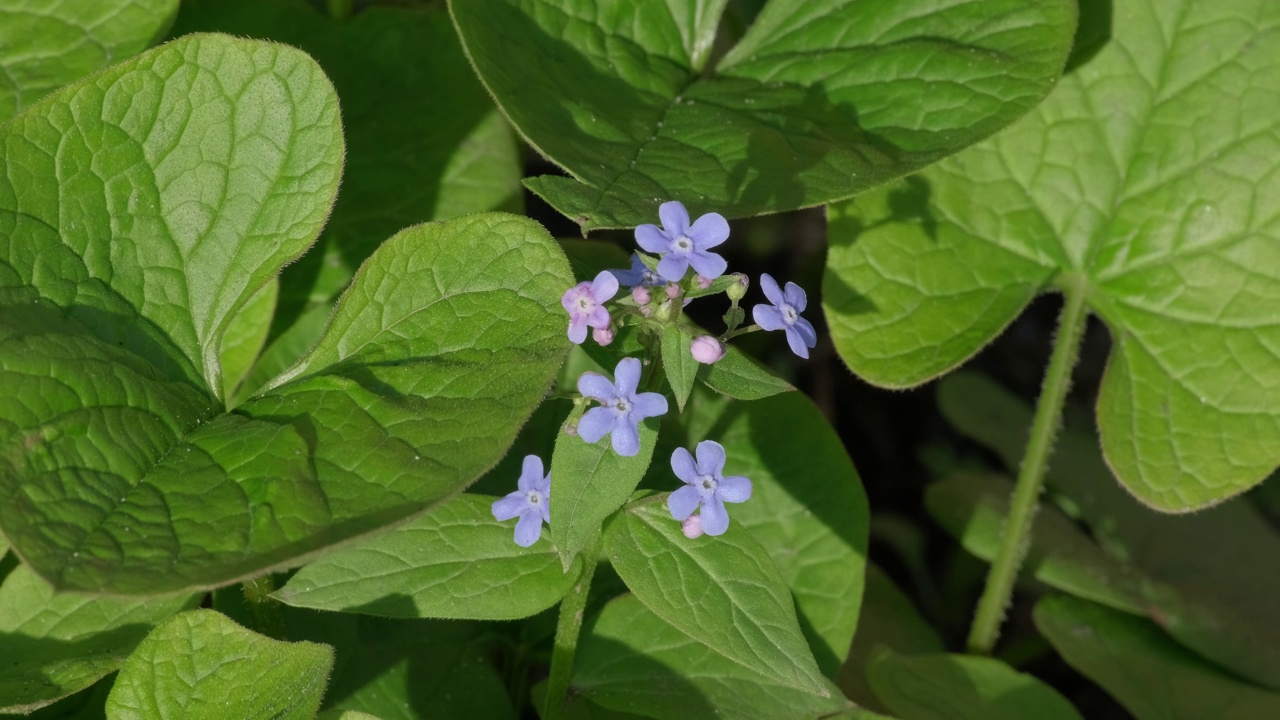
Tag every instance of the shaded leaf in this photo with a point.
(678, 363)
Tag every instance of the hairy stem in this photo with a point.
(266, 613)
(1015, 536)
(566, 644)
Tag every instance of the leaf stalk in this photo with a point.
(568, 627)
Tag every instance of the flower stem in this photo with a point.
(740, 331)
(566, 643)
(1015, 536)
(266, 614)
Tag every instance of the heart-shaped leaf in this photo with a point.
(44, 45)
(1136, 186)
(819, 100)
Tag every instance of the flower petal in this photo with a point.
(771, 289)
(596, 386)
(530, 473)
(647, 405)
(708, 263)
(546, 507)
(597, 423)
(511, 505)
(709, 231)
(626, 439)
(627, 377)
(767, 317)
(807, 333)
(715, 519)
(683, 466)
(796, 297)
(605, 286)
(796, 341)
(578, 330)
(675, 219)
(569, 299)
(673, 268)
(529, 529)
(711, 458)
(683, 502)
(735, 489)
(652, 239)
(599, 318)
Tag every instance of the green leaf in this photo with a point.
(339, 714)
(245, 337)
(807, 507)
(1161, 217)
(888, 618)
(722, 591)
(590, 482)
(630, 660)
(200, 664)
(678, 362)
(44, 46)
(1222, 610)
(797, 114)
(1137, 664)
(740, 377)
(55, 645)
(963, 687)
(454, 562)
(973, 508)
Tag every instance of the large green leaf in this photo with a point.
(721, 591)
(1153, 677)
(454, 562)
(55, 645)
(1223, 610)
(819, 100)
(630, 660)
(45, 45)
(202, 665)
(963, 687)
(1139, 185)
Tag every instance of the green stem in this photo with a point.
(740, 331)
(266, 614)
(1022, 508)
(566, 644)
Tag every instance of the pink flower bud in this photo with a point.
(702, 281)
(673, 291)
(604, 336)
(706, 349)
(640, 295)
(692, 527)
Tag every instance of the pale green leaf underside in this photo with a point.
(630, 660)
(45, 45)
(722, 591)
(433, 360)
(1141, 181)
(454, 562)
(1138, 665)
(55, 645)
(963, 687)
(740, 377)
(202, 665)
(820, 100)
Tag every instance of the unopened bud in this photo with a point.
(738, 289)
(640, 295)
(692, 527)
(666, 311)
(604, 335)
(673, 291)
(706, 349)
(702, 281)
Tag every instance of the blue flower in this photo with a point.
(585, 305)
(784, 314)
(621, 408)
(639, 275)
(706, 486)
(531, 503)
(683, 244)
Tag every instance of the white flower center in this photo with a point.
(586, 304)
(789, 315)
(649, 277)
(621, 405)
(682, 244)
(534, 497)
(707, 483)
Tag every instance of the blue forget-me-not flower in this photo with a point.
(706, 486)
(784, 314)
(531, 503)
(621, 409)
(585, 305)
(682, 244)
(639, 275)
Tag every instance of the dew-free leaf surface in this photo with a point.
(819, 100)
(1145, 184)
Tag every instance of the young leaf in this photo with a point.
(740, 377)
(44, 45)
(795, 115)
(245, 337)
(200, 664)
(963, 687)
(590, 482)
(630, 660)
(55, 645)
(678, 362)
(722, 591)
(1138, 665)
(454, 562)
(1160, 216)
